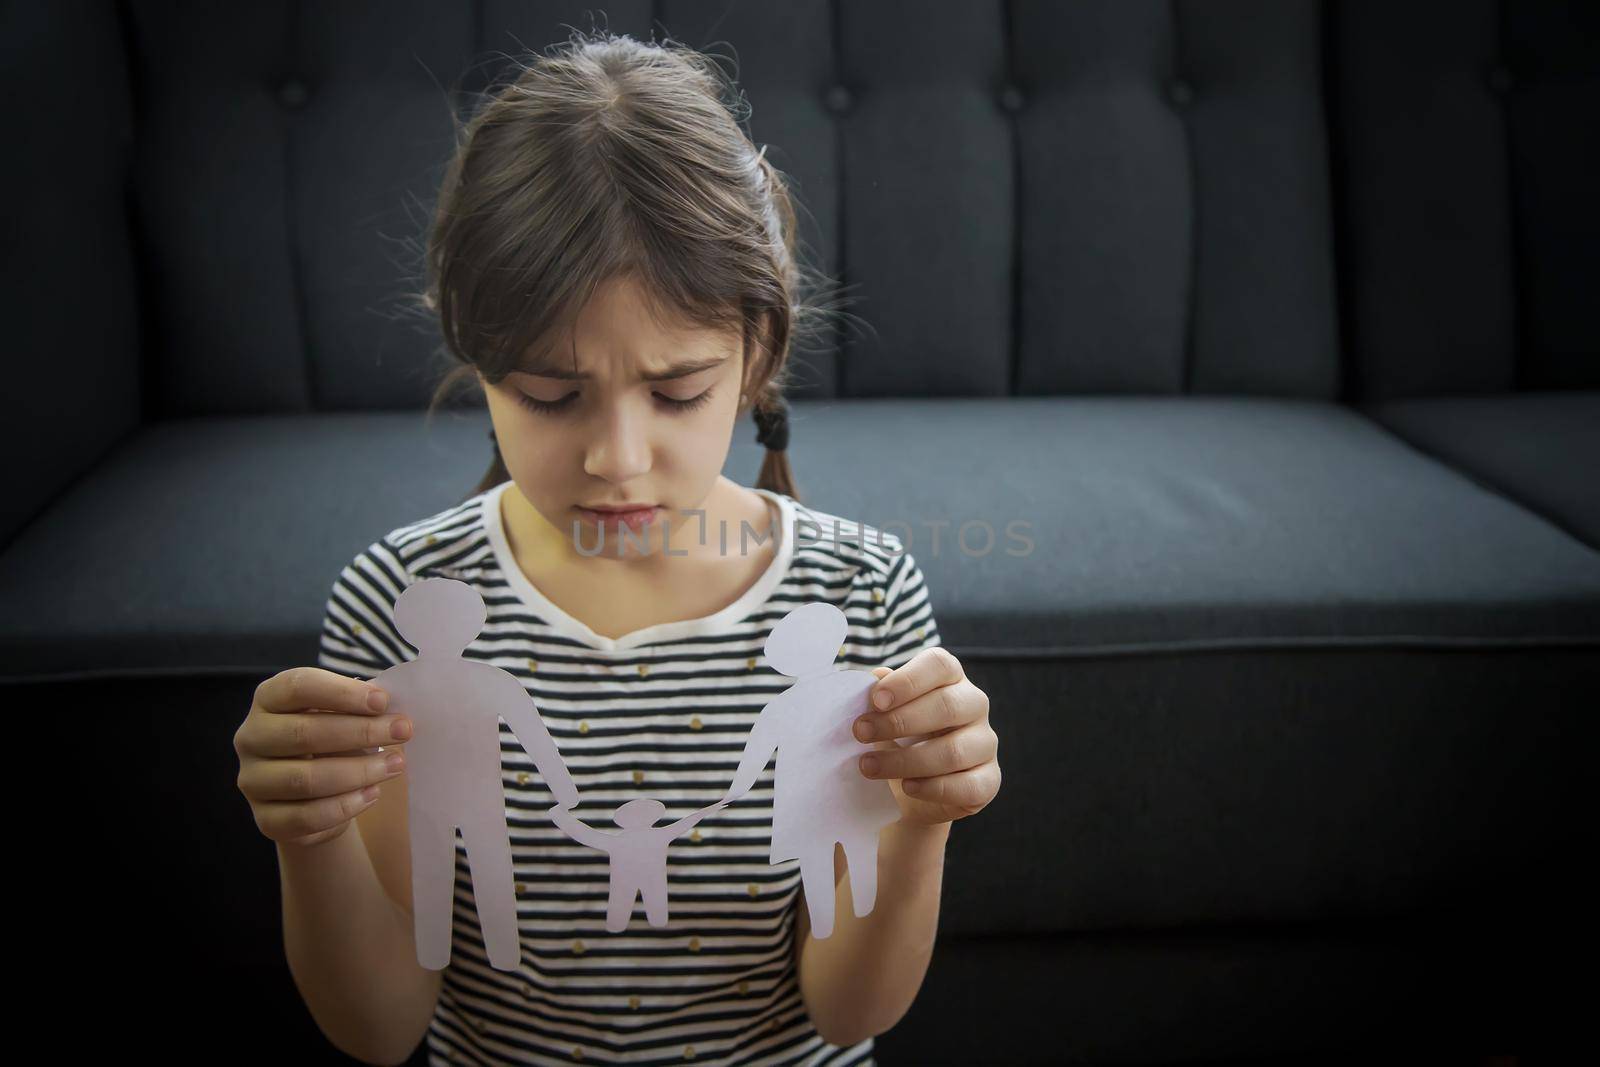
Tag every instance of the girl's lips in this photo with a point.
(635, 519)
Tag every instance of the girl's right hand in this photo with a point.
(307, 753)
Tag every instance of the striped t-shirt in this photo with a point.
(661, 712)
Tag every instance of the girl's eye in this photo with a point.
(544, 407)
(690, 404)
(553, 407)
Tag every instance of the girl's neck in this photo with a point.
(613, 597)
(744, 514)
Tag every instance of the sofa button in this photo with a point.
(840, 100)
(1500, 80)
(1180, 92)
(1012, 100)
(293, 93)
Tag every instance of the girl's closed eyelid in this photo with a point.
(554, 407)
(533, 403)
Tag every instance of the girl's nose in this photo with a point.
(621, 449)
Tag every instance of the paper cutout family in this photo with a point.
(453, 775)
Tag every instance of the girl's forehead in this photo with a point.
(626, 300)
(647, 355)
(627, 327)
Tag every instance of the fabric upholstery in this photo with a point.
(1155, 523)
(1541, 449)
(1471, 237)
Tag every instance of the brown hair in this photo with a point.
(604, 157)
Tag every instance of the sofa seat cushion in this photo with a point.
(209, 545)
(1541, 449)
(1187, 523)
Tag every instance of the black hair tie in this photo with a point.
(773, 426)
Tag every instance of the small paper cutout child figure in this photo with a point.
(820, 796)
(638, 855)
(453, 766)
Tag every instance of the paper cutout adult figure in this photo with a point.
(638, 855)
(820, 796)
(453, 766)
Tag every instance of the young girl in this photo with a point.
(613, 261)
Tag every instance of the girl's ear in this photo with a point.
(754, 357)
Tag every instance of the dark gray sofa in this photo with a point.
(1275, 321)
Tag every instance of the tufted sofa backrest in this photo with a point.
(1469, 140)
(1023, 198)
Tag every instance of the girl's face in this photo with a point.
(644, 418)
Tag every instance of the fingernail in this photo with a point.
(882, 698)
(394, 761)
(911, 786)
(377, 699)
(401, 729)
(863, 730)
(869, 765)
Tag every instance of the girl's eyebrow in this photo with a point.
(677, 370)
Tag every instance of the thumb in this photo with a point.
(881, 672)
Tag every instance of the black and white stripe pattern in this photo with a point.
(663, 712)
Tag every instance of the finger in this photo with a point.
(943, 708)
(399, 719)
(970, 746)
(927, 670)
(308, 779)
(285, 820)
(311, 733)
(970, 789)
(306, 688)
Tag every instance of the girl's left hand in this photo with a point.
(954, 772)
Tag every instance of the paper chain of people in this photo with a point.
(453, 778)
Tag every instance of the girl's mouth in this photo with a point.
(615, 520)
